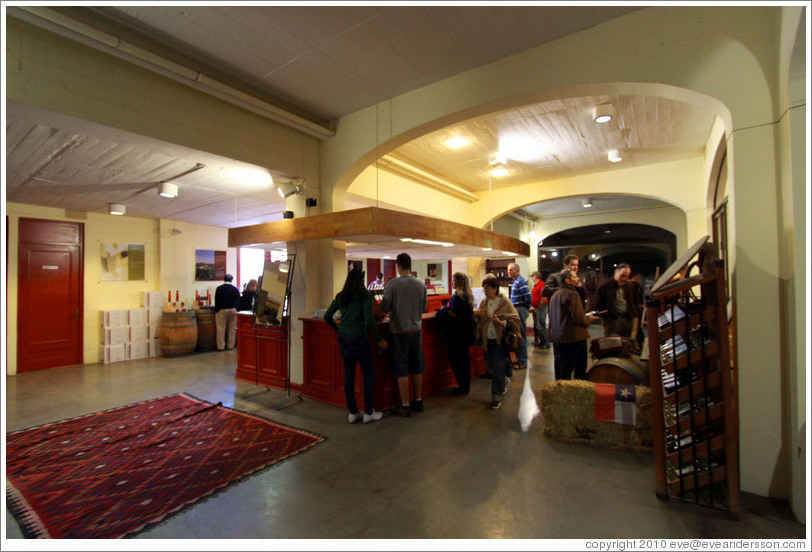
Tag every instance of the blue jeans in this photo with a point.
(497, 359)
(540, 319)
(521, 353)
(356, 349)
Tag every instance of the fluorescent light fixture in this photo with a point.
(168, 189)
(487, 249)
(427, 242)
(456, 142)
(252, 177)
(499, 171)
(614, 156)
(117, 209)
(586, 202)
(603, 113)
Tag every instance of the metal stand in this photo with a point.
(288, 401)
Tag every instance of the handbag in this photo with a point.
(511, 340)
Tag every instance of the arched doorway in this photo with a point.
(600, 247)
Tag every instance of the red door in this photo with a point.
(389, 270)
(49, 302)
(373, 267)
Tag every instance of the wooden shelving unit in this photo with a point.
(693, 394)
(498, 267)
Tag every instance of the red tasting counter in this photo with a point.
(262, 351)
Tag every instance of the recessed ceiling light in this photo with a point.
(586, 202)
(499, 171)
(603, 113)
(456, 142)
(614, 156)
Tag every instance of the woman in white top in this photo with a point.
(494, 315)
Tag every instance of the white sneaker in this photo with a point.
(374, 417)
(352, 418)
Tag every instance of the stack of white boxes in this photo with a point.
(114, 335)
(130, 334)
(153, 305)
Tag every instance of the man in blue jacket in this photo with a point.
(522, 299)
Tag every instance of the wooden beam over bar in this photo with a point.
(346, 225)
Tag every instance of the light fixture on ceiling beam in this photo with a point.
(427, 242)
(603, 113)
(116, 209)
(168, 189)
(586, 202)
(614, 156)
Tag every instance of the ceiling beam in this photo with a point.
(346, 225)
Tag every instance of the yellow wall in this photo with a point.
(169, 265)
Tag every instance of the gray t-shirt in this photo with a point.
(406, 300)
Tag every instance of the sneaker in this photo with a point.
(403, 410)
(374, 417)
(495, 405)
(354, 417)
(416, 405)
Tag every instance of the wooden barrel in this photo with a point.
(618, 370)
(178, 333)
(206, 329)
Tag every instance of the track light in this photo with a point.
(168, 189)
(614, 156)
(287, 189)
(603, 113)
(117, 209)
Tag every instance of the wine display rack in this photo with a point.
(693, 394)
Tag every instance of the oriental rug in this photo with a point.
(113, 473)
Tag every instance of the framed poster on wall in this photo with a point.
(210, 266)
(121, 262)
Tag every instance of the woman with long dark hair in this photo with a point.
(461, 332)
(355, 304)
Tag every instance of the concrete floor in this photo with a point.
(456, 471)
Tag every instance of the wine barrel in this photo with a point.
(618, 370)
(178, 333)
(206, 329)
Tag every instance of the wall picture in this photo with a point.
(121, 262)
(435, 271)
(210, 266)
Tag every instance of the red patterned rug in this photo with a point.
(112, 473)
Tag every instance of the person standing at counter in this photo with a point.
(460, 332)
(493, 316)
(226, 297)
(355, 304)
(246, 302)
(405, 299)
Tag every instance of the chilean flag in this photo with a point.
(615, 403)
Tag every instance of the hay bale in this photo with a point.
(568, 407)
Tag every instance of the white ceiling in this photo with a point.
(324, 62)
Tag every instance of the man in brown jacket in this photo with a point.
(568, 328)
